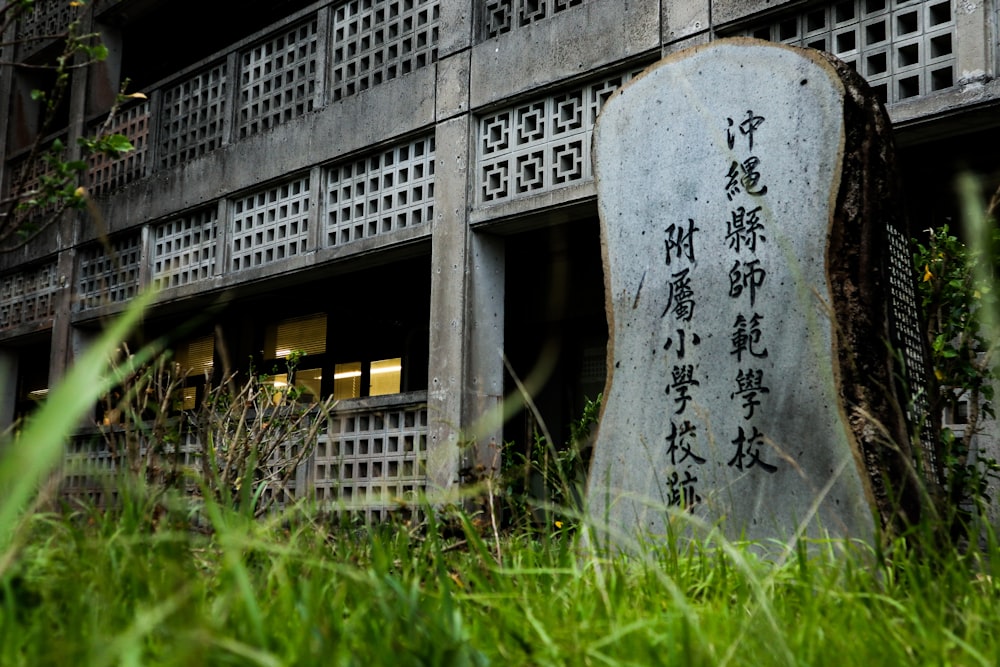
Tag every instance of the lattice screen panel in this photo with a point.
(378, 40)
(278, 79)
(26, 182)
(502, 16)
(540, 145)
(92, 460)
(89, 465)
(106, 173)
(28, 295)
(282, 488)
(904, 48)
(184, 249)
(380, 193)
(907, 338)
(374, 460)
(47, 18)
(109, 277)
(270, 225)
(193, 114)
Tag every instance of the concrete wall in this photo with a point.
(479, 72)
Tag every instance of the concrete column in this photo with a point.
(6, 88)
(105, 76)
(482, 417)
(465, 373)
(63, 349)
(974, 61)
(449, 256)
(8, 386)
(447, 376)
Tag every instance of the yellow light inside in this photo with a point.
(386, 376)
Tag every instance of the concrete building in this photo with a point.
(403, 189)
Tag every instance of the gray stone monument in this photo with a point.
(758, 283)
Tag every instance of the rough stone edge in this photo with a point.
(870, 385)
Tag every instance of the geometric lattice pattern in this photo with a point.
(373, 460)
(45, 19)
(903, 48)
(109, 277)
(93, 459)
(277, 79)
(192, 116)
(106, 173)
(381, 193)
(503, 15)
(184, 249)
(28, 295)
(89, 464)
(270, 225)
(27, 179)
(540, 145)
(907, 339)
(378, 40)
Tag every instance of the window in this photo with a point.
(380, 377)
(195, 360)
(300, 343)
(385, 376)
(296, 354)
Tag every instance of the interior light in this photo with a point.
(385, 369)
(347, 374)
(282, 353)
(279, 383)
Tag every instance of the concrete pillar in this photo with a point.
(446, 373)
(974, 62)
(465, 372)
(6, 87)
(64, 348)
(482, 417)
(8, 387)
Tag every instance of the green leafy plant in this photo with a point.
(546, 482)
(51, 178)
(959, 295)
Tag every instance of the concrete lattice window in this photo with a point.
(47, 18)
(502, 16)
(193, 116)
(904, 48)
(278, 79)
(28, 295)
(373, 459)
(380, 193)
(903, 318)
(379, 40)
(109, 273)
(184, 249)
(107, 174)
(270, 225)
(542, 144)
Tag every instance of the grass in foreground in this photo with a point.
(148, 586)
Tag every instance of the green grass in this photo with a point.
(147, 585)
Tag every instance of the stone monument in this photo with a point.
(760, 301)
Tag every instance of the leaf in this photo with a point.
(117, 143)
(37, 95)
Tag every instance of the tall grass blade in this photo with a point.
(33, 454)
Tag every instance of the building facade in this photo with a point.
(402, 189)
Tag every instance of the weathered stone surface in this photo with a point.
(746, 205)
